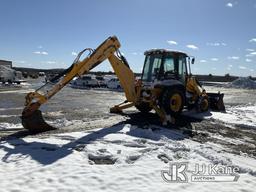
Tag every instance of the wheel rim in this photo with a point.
(175, 102)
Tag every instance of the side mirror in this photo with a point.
(193, 60)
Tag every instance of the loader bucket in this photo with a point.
(216, 101)
(35, 122)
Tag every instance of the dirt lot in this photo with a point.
(75, 110)
(93, 150)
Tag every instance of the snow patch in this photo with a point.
(119, 158)
(6, 126)
(11, 108)
(244, 116)
(21, 91)
(243, 82)
(63, 122)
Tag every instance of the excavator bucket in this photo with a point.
(216, 101)
(35, 123)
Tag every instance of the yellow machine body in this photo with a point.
(137, 93)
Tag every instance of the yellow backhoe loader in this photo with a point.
(166, 85)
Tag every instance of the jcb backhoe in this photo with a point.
(166, 85)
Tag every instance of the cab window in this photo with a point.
(169, 65)
(151, 67)
(169, 70)
(182, 68)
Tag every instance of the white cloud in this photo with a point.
(74, 53)
(234, 57)
(229, 5)
(172, 42)
(40, 52)
(202, 61)
(230, 66)
(253, 53)
(40, 47)
(213, 44)
(248, 55)
(242, 67)
(214, 59)
(214, 68)
(248, 60)
(192, 47)
(216, 44)
(251, 70)
(250, 50)
(50, 62)
(252, 40)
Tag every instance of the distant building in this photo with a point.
(6, 63)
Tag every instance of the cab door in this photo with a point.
(182, 68)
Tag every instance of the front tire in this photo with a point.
(203, 104)
(173, 101)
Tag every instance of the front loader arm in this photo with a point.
(105, 51)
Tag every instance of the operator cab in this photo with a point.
(162, 64)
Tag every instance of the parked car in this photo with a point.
(86, 81)
(101, 81)
(41, 74)
(114, 83)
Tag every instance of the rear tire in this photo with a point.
(173, 101)
(143, 107)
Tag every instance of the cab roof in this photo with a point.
(162, 51)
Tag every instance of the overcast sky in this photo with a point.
(221, 34)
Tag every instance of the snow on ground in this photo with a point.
(18, 91)
(118, 158)
(8, 126)
(88, 123)
(239, 115)
(57, 120)
(243, 115)
(243, 83)
(9, 108)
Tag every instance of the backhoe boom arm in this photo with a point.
(109, 49)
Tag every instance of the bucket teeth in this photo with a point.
(35, 122)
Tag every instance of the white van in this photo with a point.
(86, 81)
(101, 81)
(113, 83)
